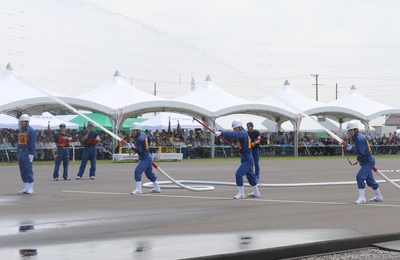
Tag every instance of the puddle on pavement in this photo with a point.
(174, 246)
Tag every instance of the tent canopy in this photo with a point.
(38, 122)
(313, 124)
(288, 98)
(19, 95)
(162, 120)
(211, 97)
(104, 121)
(117, 93)
(8, 122)
(353, 106)
(225, 122)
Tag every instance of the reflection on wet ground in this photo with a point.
(176, 246)
(26, 227)
(26, 253)
(101, 220)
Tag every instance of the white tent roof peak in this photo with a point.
(9, 67)
(352, 106)
(118, 93)
(211, 97)
(354, 100)
(288, 98)
(286, 83)
(117, 74)
(19, 92)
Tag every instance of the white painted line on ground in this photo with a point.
(378, 204)
(147, 195)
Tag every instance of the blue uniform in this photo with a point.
(89, 154)
(26, 146)
(366, 160)
(247, 161)
(62, 155)
(255, 151)
(142, 141)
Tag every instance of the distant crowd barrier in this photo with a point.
(177, 154)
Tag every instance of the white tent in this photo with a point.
(288, 98)
(162, 120)
(312, 124)
(117, 93)
(43, 121)
(361, 126)
(8, 122)
(307, 124)
(38, 122)
(353, 106)
(225, 122)
(66, 118)
(21, 95)
(209, 96)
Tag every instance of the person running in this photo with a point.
(26, 150)
(255, 138)
(246, 166)
(61, 140)
(141, 147)
(90, 140)
(366, 160)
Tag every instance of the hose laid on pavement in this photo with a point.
(191, 188)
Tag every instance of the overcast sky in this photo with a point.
(248, 47)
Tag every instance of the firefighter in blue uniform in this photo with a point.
(366, 160)
(141, 147)
(246, 166)
(90, 139)
(61, 140)
(255, 138)
(26, 150)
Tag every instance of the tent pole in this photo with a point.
(212, 139)
(296, 137)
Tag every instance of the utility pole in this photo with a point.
(316, 85)
(192, 84)
(336, 91)
(155, 92)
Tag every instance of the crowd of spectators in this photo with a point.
(193, 143)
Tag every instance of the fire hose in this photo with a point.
(375, 169)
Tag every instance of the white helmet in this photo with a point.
(237, 123)
(24, 117)
(352, 125)
(136, 126)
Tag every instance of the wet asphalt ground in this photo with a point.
(99, 219)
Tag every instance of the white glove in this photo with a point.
(128, 146)
(217, 133)
(30, 157)
(349, 147)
